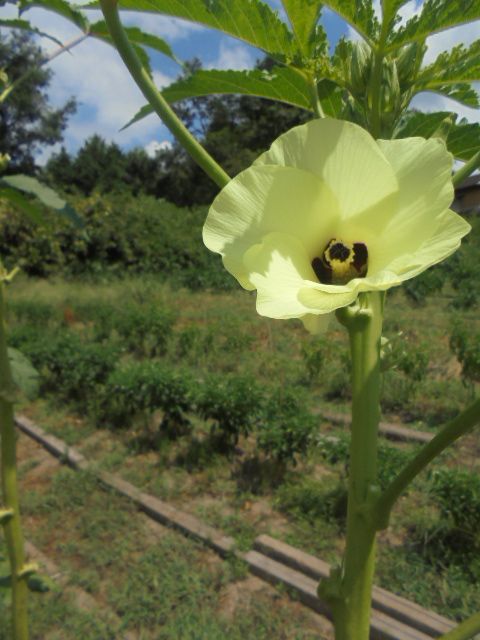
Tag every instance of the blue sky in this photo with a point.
(108, 98)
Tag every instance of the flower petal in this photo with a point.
(446, 238)
(278, 267)
(344, 155)
(316, 323)
(264, 199)
(423, 169)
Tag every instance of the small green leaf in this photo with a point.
(332, 98)
(24, 25)
(24, 374)
(451, 74)
(303, 16)
(142, 113)
(280, 83)
(48, 196)
(436, 15)
(61, 7)
(253, 22)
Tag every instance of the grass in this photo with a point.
(166, 588)
(152, 581)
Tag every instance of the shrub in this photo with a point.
(71, 368)
(34, 312)
(335, 450)
(457, 494)
(144, 329)
(122, 234)
(194, 342)
(100, 314)
(24, 336)
(234, 404)
(286, 427)
(391, 460)
(328, 364)
(465, 345)
(139, 389)
(311, 499)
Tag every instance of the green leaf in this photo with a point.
(436, 15)
(27, 206)
(461, 92)
(24, 374)
(359, 14)
(24, 25)
(463, 139)
(332, 98)
(281, 83)
(61, 7)
(48, 196)
(136, 36)
(303, 16)
(451, 73)
(416, 123)
(253, 21)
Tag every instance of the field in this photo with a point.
(194, 398)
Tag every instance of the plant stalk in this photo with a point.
(467, 169)
(466, 630)
(11, 524)
(155, 98)
(351, 612)
(453, 430)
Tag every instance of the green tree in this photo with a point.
(234, 130)
(27, 121)
(98, 165)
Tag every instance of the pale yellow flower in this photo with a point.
(328, 212)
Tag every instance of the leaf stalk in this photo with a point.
(155, 98)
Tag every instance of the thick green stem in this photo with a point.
(453, 430)
(466, 630)
(11, 525)
(316, 104)
(351, 611)
(155, 98)
(467, 169)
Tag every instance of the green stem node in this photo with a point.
(27, 570)
(155, 98)
(6, 515)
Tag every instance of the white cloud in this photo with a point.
(153, 147)
(233, 55)
(94, 74)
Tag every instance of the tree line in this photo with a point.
(234, 129)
